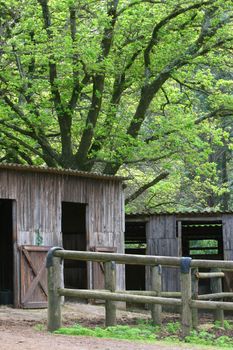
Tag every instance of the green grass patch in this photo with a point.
(145, 332)
(117, 332)
(206, 338)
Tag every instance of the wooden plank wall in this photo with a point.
(39, 197)
(162, 240)
(227, 221)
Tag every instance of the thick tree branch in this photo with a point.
(15, 152)
(98, 88)
(143, 188)
(37, 135)
(64, 117)
(77, 86)
(16, 128)
(134, 161)
(119, 87)
(217, 113)
(22, 143)
(154, 38)
(149, 91)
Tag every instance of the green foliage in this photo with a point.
(145, 332)
(206, 338)
(118, 332)
(226, 325)
(173, 327)
(137, 88)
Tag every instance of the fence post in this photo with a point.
(54, 275)
(194, 296)
(216, 287)
(156, 283)
(186, 295)
(110, 284)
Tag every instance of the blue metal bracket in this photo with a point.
(185, 264)
(49, 259)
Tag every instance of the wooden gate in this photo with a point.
(33, 276)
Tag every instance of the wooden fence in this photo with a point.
(187, 299)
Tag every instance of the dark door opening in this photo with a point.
(135, 243)
(6, 252)
(203, 240)
(74, 238)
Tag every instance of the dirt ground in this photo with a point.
(26, 330)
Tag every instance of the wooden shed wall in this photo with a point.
(162, 240)
(39, 197)
(227, 220)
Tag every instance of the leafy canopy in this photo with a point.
(116, 86)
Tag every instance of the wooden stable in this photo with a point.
(45, 207)
(178, 234)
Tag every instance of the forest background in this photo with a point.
(139, 88)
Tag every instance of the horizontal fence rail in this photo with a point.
(187, 298)
(203, 275)
(92, 294)
(141, 260)
(130, 259)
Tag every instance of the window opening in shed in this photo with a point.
(135, 243)
(74, 238)
(202, 240)
(6, 251)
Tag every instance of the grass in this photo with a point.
(117, 332)
(145, 332)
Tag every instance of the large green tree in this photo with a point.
(115, 85)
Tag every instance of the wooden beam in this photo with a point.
(92, 294)
(216, 287)
(204, 275)
(215, 296)
(156, 286)
(110, 284)
(211, 305)
(186, 295)
(54, 298)
(118, 258)
(194, 296)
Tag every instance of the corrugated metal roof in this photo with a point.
(204, 212)
(59, 171)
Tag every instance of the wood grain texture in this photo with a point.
(39, 198)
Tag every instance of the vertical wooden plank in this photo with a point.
(110, 284)
(186, 295)
(179, 223)
(16, 282)
(216, 287)
(54, 299)
(156, 284)
(194, 297)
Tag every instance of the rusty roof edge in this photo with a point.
(60, 171)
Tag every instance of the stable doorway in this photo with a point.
(6, 252)
(135, 243)
(74, 238)
(202, 240)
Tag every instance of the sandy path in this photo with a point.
(27, 339)
(19, 331)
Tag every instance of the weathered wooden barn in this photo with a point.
(44, 207)
(205, 235)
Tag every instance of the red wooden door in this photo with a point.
(33, 276)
